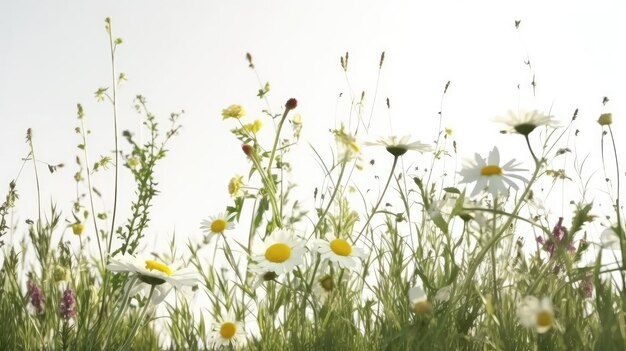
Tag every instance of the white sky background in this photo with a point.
(191, 55)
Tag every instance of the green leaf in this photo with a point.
(452, 190)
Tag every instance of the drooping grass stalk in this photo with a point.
(380, 199)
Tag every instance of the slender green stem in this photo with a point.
(90, 190)
(493, 253)
(117, 154)
(133, 332)
(531, 149)
(331, 200)
(273, 152)
(380, 199)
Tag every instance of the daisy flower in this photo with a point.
(535, 313)
(490, 175)
(323, 287)
(228, 331)
(339, 251)
(281, 253)
(399, 146)
(152, 272)
(216, 225)
(524, 122)
(419, 301)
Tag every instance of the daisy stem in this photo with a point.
(120, 310)
(273, 153)
(496, 236)
(271, 189)
(493, 253)
(531, 149)
(380, 199)
(129, 340)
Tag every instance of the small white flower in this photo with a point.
(535, 313)
(609, 239)
(281, 253)
(228, 331)
(524, 122)
(339, 251)
(490, 175)
(399, 146)
(261, 276)
(419, 300)
(323, 287)
(216, 225)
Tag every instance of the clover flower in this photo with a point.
(67, 305)
(34, 293)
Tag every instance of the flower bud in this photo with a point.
(291, 104)
(247, 149)
(605, 119)
(78, 228)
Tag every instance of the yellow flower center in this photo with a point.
(422, 307)
(218, 226)
(544, 319)
(152, 265)
(228, 330)
(491, 170)
(278, 253)
(341, 247)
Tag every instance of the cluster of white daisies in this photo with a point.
(282, 252)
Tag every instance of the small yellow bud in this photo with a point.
(60, 274)
(605, 119)
(133, 161)
(78, 228)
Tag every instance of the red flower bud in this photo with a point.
(247, 149)
(291, 104)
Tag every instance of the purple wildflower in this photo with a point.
(33, 291)
(559, 234)
(67, 306)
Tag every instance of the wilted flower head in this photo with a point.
(247, 149)
(234, 185)
(233, 111)
(67, 305)
(524, 122)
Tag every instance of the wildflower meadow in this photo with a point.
(446, 248)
